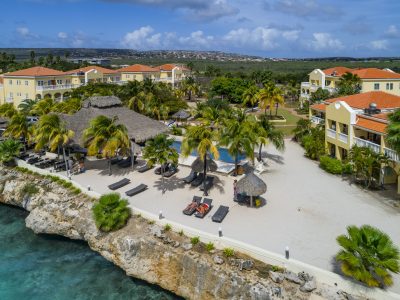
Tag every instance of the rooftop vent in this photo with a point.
(372, 109)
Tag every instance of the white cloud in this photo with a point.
(392, 32)
(23, 31)
(142, 38)
(196, 40)
(62, 35)
(379, 45)
(324, 41)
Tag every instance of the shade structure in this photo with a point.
(198, 165)
(182, 115)
(251, 185)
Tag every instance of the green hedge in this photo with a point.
(331, 165)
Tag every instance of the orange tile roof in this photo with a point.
(372, 125)
(88, 68)
(36, 71)
(166, 67)
(338, 71)
(320, 106)
(138, 69)
(383, 100)
(383, 116)
(374, 73)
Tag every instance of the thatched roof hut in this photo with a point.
(251, 185)
(198, 165)
(140, 128)
(181, 115)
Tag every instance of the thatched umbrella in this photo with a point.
(181, 115)
(198, 165)
(251, 185)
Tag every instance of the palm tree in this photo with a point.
(7, 110)
(111, 212)
(106, 136)
(302, 129)
(190, 87)
(270, 96)
(26, 106)
(149, 86)
(368, 255)
(393, 131)
(52, 132)
(160, 151)
(43, 107)
(9, 149)
(268, 133)
(250, 96)
(200, 138)
(349, 84)
(19, 128)
(237, 135)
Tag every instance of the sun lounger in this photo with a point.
(119, 184)
(165, 168)
(140, 188)
(203, 208)
(199, 180)
(209, 182)
(116, 160)
(192, 176)
(191, 208)
(220, 214)
(144, 168)
(125, 163)
(172, 170)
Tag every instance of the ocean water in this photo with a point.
(40, 267)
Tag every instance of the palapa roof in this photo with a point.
(251, 185)
(140, 128)
(182, 114)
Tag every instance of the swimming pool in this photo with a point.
(223, 153)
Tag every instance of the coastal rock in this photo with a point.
(187, 246)
(242, 264)
(292, 277)
(276, 277)
(309, 286)
(218, 260)
(304, 276)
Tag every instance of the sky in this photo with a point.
(268, 28)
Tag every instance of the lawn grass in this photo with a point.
(287, 130)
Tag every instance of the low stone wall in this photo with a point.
(144, 250)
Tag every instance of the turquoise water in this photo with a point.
(223, 153)
(41, 267)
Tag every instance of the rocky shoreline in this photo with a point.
(149, 252)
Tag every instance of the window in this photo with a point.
(18, 82)
(49, 82)
(67, 81)
(376, 86)
(19, 94)
(40, 83)
(389, 86)
(10, 82)
(59, 81)
(128, 76)
(26, 82)
(11, 94)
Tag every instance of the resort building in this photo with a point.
(93, 74)
(139, 73)
(360, 120)
(372, 79)
(172, 73)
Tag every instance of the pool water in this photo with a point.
(223, 153)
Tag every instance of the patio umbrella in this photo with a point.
(198, 165)
(251, 185)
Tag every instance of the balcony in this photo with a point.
(343, 138)
(331, 133)
(392, 154)
(57, 87)
(305, 95)
(364, 143)
(314, 87)
(317, 120)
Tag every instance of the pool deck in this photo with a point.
(305, 207)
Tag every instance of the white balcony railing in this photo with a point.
(364, 143)
(343, 138)
(392, 154)
(57, 87)
(331, 133)
(317, 120)
(314, 87)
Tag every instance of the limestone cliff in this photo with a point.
(145, 251)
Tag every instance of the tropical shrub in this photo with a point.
(331, 165)
(29, 189)
(111, 212)
(9, 149)
(314, 143)
(210, 246)
(368, 255)
(176, 130)
(228, 252)
(195, 240)
(167, 227)
(303, 128)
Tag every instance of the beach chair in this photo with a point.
(204, 208)
(220, 214)
(140, 188)
(119, 184)
(172, 170)
(209, 182)
(192, 176)
(199, 180)
(125, 163)
(144, 168)
(192, 206)
(116, 160)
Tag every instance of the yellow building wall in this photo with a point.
(369, 85)
(18, 89)
(315, 78)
